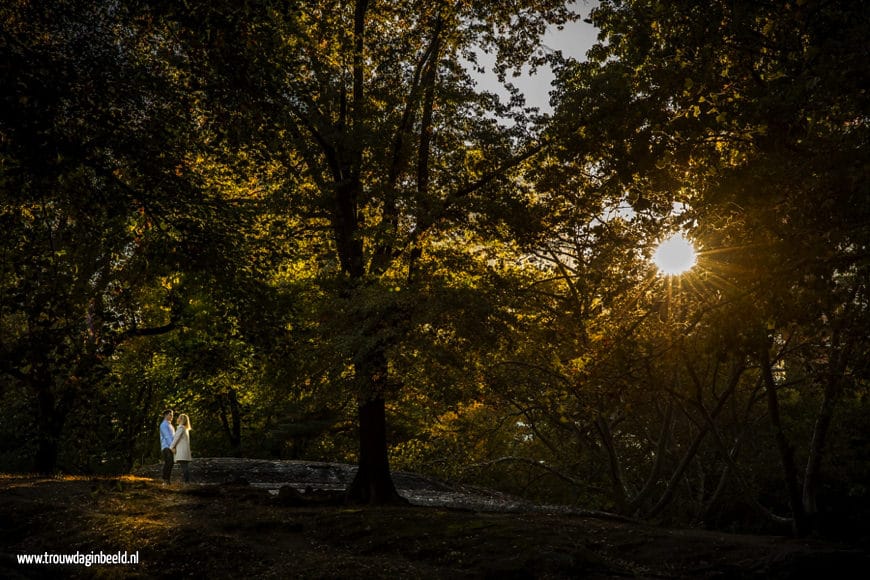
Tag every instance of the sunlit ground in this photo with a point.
(233, 531)
(12, 480)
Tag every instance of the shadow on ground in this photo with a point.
(225, 527)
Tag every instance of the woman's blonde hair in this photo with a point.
(185, 420)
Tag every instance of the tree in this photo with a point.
(372, 107)
(75, 226)
(100, 206)
(752, 114)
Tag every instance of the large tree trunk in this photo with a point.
(47, 449)
(51, 417)
(373, 483)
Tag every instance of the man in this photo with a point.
(167, 434)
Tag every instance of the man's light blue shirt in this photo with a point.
(167, 434)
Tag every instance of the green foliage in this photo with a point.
(271, 216)
(735, 112)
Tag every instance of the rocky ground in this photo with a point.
(235, 521)
(319, 477)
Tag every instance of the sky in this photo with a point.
(574, 40)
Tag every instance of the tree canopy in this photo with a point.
(308, 227)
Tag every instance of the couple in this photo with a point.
(175, 445)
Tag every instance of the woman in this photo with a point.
(181, 446)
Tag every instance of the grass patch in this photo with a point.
(237, 531)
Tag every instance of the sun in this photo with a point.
(675, 255)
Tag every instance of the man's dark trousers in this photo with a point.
(168, 460)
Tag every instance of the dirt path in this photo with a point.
(335, 477)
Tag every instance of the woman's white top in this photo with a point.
(181, 444)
